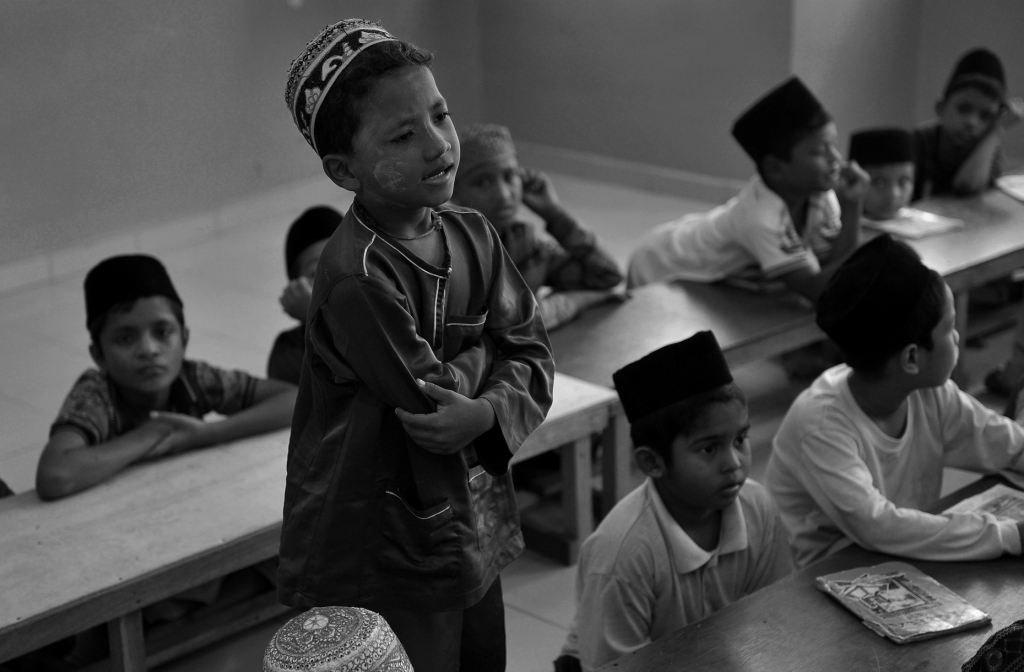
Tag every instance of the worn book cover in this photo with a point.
(898, 601)
(999, 500)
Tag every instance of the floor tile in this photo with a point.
(532, 644)
(541, 588)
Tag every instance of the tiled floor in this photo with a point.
(229, 279)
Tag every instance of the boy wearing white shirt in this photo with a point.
(795, 221)
(859, 456)
(697, 535)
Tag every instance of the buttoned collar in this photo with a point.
(687, 556)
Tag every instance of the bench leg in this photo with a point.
(127, 646)
(960, 376)
(577, 497)
(616, 455)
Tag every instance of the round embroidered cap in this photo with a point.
(336, 639)
(317, 68)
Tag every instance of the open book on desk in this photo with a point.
(900, 602)
(999, 500)
(914, 223)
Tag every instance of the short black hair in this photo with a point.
(96, 326)
(338, 118)
(916, 328)
(782, 147)
(658, 430)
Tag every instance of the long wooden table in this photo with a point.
(793, 626)
(161, 528)
(751, 325)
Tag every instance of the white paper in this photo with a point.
(1012, 185)
(914, 223)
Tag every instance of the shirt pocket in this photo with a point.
(419, 543)
(462, 332)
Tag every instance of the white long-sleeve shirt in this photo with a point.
(839, 479)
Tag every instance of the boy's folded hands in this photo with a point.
(456, 422)
(183, 433)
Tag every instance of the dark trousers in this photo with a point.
(472, 640)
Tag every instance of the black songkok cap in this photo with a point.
(671, 374)
(313, 225)
(122, 279)
(784, 112)
(980, 68)
(866, 302)
(879, 146)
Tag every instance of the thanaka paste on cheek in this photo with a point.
(388, 175)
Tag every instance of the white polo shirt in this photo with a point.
(641, 577)
(751, 236)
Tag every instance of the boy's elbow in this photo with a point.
(51, 484)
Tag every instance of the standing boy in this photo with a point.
(795, 221)
(960, 153)
(887, 156)
(697, 535)
(567, 259)
(426, 366)
(306, 239)
(859, 456)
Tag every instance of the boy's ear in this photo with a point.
(910, 359)
(772, 168)
(184, 337)
(97, 356)
(650, 462)
(336, 166)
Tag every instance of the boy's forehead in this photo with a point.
(400, 96)
(975, 96)
(715, 419)
(141, 312)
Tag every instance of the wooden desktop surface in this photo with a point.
(793, 626)
(752, 325)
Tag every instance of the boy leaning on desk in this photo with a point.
(859, 456)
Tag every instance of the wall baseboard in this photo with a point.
(634, 174)
(289, 200)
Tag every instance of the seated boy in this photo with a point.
(960, 153)
(569, 260)
(887, 156)
(145, 400)
(799, 213)
(859, 456)
(697, 535)
(302, 247)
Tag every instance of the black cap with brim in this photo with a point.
(879, 146)
(123, 279)
(671, 374)
(869, 297)
(782, 113)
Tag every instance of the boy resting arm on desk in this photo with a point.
(961, 153)
(426, 366)
(567, 259)
(145, 400)
(859, 456)
(697, 535)
(795, 221)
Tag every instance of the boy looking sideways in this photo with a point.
(568, 260)
(859, 456)
(795, 221)
(145, 400)
(960, 152)
(426, 366)
(306, 239)
(887, 156)
(697, 535)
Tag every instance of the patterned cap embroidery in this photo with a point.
(312, 74)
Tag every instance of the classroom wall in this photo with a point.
(951, 27)
(125, 113)
(860, 58)
(657, 81)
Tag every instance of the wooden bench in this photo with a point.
(159, 529)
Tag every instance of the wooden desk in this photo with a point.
(751, 326)
(158, 529)
(792, 626)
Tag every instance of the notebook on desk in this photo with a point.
(900, 602)
(999, 500)
(913, 223)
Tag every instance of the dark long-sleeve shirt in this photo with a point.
(370, 518)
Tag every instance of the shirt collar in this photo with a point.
(687, 556)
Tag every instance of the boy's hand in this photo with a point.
(296, 297)
(538, 191)
(853, 182)
(1012, 113)
(457, 420)
(184, 433)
